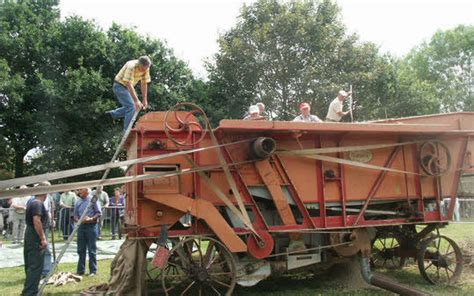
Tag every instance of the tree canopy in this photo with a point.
(56, 85)
(285, 53)
(437, 76)
(56, 76)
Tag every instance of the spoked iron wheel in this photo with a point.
(440, 260)
(199, 266)
(153, 273)
(386, 251)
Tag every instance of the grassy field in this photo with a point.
(334, 282)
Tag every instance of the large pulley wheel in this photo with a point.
(262, 246)
(434, 157)
(186, 124)
(199, 266)
(440, 260)
(386, 251)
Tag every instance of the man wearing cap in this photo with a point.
(254, 113)
(335, 112)
(305, 115)
(124, 88)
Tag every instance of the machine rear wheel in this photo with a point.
(440, 260)
(386, 251)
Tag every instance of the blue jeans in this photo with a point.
(86, 241)
(128, 107)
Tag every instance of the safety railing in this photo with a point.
(12, 225)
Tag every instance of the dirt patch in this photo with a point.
(467, 249)
(346, 275)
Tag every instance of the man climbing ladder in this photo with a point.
(129, 75)
(124, 88)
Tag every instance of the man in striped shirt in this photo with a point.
(124, 88)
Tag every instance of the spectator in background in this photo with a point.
(456, 215)
(254, 113)
(262, 112)
(67, 202)
(4, 214)
(87, 232)
(18, 217)
(35, 243)
(117, 204)
(305, 115)
(103, 199)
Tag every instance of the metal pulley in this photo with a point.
(262, 148)
(184, 120)
(434, 158)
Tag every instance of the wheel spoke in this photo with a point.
(220, 273)
(431, 264)
(447, 250)
(447, 275)
(383, 244)
(207, 256)
(188, 287)
(220, 283)
(214, 289)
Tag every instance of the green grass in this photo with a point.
(12, 279)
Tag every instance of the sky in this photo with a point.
(191, 28)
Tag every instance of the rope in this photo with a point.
(85, 170)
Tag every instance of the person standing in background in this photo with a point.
(18, 217)
(103, 199)
(117, 203)
(66, 202)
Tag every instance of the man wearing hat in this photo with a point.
(335, 112)
(254, 113)
(305, 115)
(124, 88)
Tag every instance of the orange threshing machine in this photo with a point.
(254, 198)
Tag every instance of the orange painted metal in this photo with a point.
(273, 184)
(206, 211)
(316, 187)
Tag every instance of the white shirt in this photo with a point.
(310, 118)
(334, 107)
(20, 202)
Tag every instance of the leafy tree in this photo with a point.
(285, 53)
(25, 47)
(63, 73)
(437, 76)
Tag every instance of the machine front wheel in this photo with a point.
(199, 266)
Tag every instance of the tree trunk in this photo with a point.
(19, 155)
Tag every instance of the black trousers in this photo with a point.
(34, 261)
